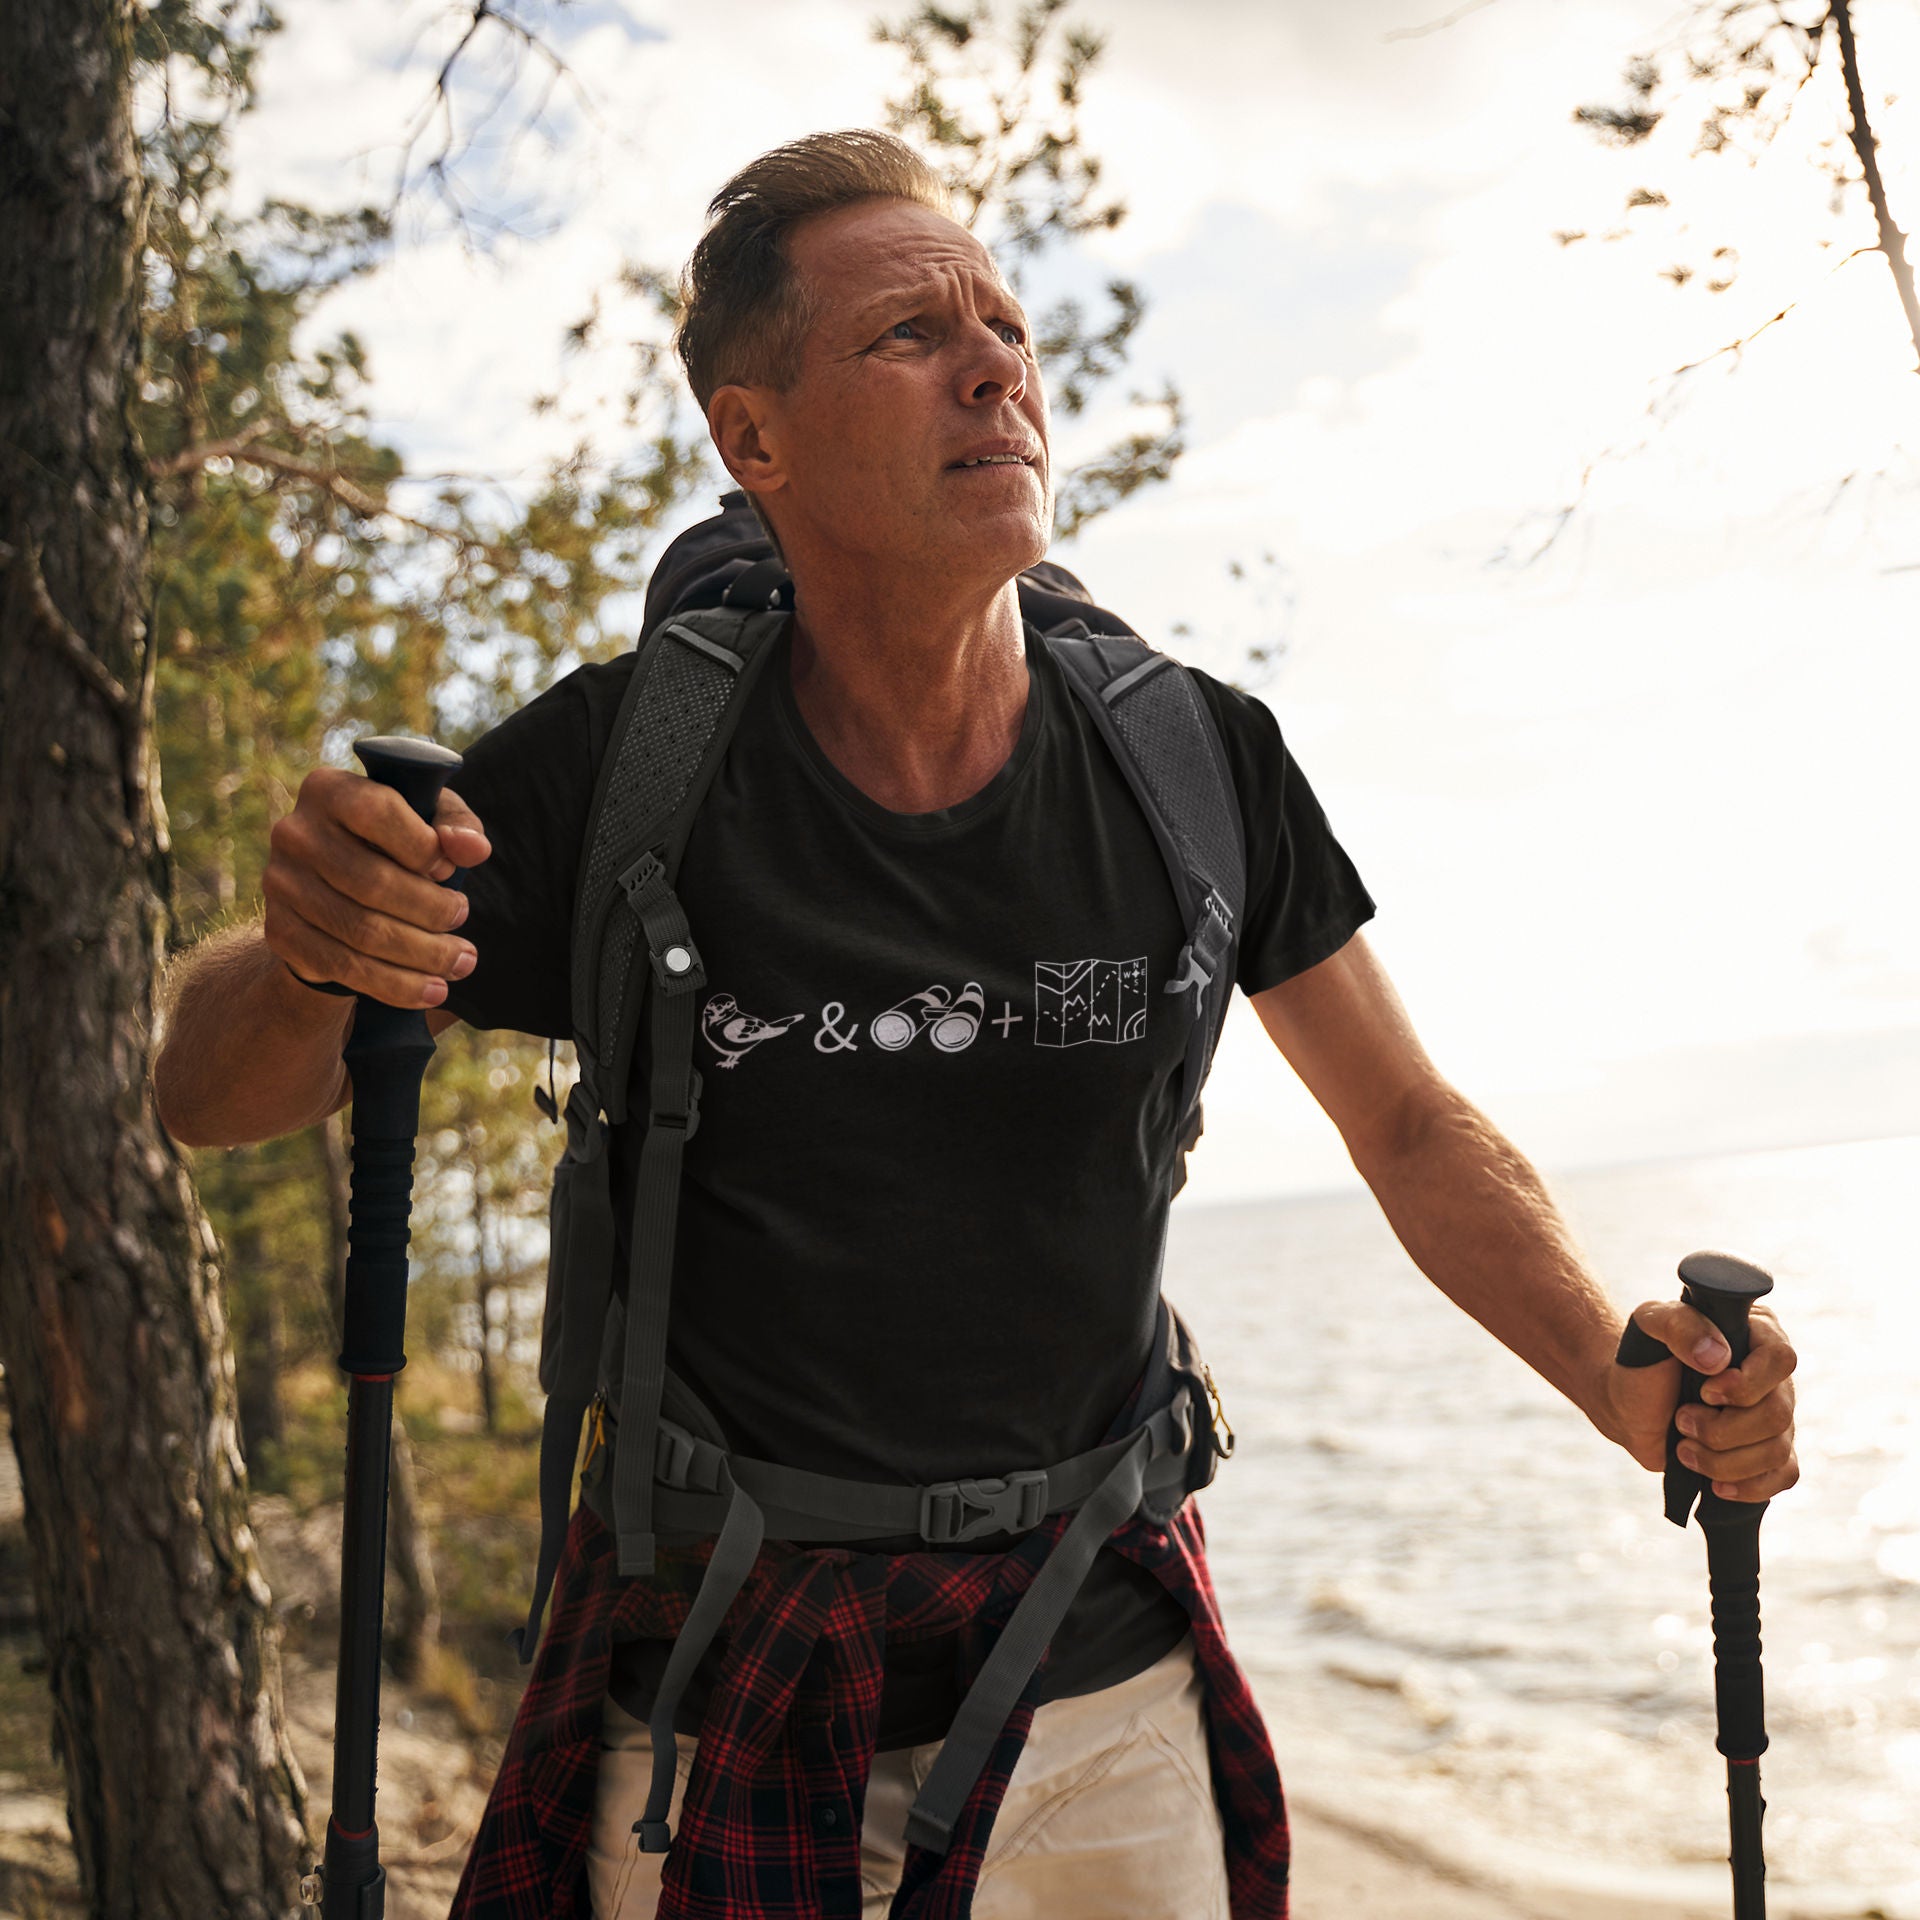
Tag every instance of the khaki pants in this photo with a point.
(1110, 1814)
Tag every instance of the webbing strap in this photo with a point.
(580, 1267)
(983, 1714)
(734, 1553)
(819, 1508)
(674, 1112)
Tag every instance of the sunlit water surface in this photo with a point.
(1465, 1614)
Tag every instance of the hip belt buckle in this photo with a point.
(959, 1510)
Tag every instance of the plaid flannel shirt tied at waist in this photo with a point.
(769, 1827)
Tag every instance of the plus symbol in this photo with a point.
(1008, 1020)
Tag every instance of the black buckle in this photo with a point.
(958, 1510)
(655, 1835)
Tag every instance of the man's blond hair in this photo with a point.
(743, 312)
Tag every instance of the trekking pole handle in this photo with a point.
(415, 769)
(1724, 1289)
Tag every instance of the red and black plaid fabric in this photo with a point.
(770, 1826)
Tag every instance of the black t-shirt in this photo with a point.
(922, 1216)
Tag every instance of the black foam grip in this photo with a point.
(373, 1332)
(1733, 1577)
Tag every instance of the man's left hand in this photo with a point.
(1742, 1437)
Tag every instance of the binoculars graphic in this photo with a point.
(953, 1019)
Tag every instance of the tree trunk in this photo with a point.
(260, 1355)
(414, 1612)
(183, 1794)
(1892, 242)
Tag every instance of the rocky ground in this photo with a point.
(438, 1753)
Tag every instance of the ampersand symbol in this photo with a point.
(829, 1039)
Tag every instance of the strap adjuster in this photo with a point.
(688, 1122)
(958, 1510)
(1206, 949)
(672, 1455)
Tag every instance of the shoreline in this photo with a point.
(1346, 1868)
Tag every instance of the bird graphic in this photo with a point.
(734, 1034)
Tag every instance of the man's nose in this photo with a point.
(997, 371)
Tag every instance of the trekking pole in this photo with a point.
(1724, 1288)
(386, 1056)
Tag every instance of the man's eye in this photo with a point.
(1011, 334)
(900, 330)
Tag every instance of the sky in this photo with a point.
(1637, 808)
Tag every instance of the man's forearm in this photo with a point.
(1478, 1222)
(247, 1053)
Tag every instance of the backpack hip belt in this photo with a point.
(700, 1488)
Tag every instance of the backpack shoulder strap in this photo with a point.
(688, 691)
(1150, 713)
(633, 949)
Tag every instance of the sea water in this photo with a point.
(1466, 1617)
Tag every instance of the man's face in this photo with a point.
(917, 427)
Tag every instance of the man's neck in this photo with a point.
(917, 699)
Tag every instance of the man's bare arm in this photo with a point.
(1478, 1221)
(248, 1053)
(352, 895)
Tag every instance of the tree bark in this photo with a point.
(183, 1793)
(260, 1351)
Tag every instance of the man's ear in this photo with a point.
(741, 421)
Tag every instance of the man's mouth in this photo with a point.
(995, 460)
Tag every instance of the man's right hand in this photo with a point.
(352, 891)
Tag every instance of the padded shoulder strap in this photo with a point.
(688, 691)
(1151, 715)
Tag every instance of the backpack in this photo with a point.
(716, 602)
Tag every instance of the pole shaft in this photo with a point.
(1744, 1810)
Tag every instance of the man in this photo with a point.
(898, 1261)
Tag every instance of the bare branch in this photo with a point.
(330, 480)
(53, 625)
(1435, 26)
(453, 143)
(1661, 409)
